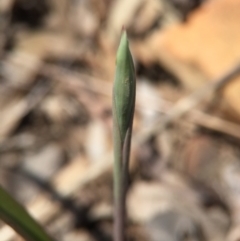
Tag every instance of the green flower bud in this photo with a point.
(124, 88)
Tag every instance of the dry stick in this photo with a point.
(71, 79)
(179, 109)
(185, 105)
(22, 108)
(215, 123)
(198, 117)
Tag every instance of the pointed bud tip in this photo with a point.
(123, 31)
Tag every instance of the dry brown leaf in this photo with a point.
(203, 48)
(22, 64)
(140, 15)
(121, 14)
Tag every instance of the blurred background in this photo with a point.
(57, 63)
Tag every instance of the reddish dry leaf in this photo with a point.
(203, 48)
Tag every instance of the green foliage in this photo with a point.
(18, 218)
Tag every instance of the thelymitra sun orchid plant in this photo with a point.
(124, 90)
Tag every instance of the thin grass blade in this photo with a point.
(18, 218)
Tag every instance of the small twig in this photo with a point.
(185, 105)
(21, 108)
(215, 123)
(71, 79)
